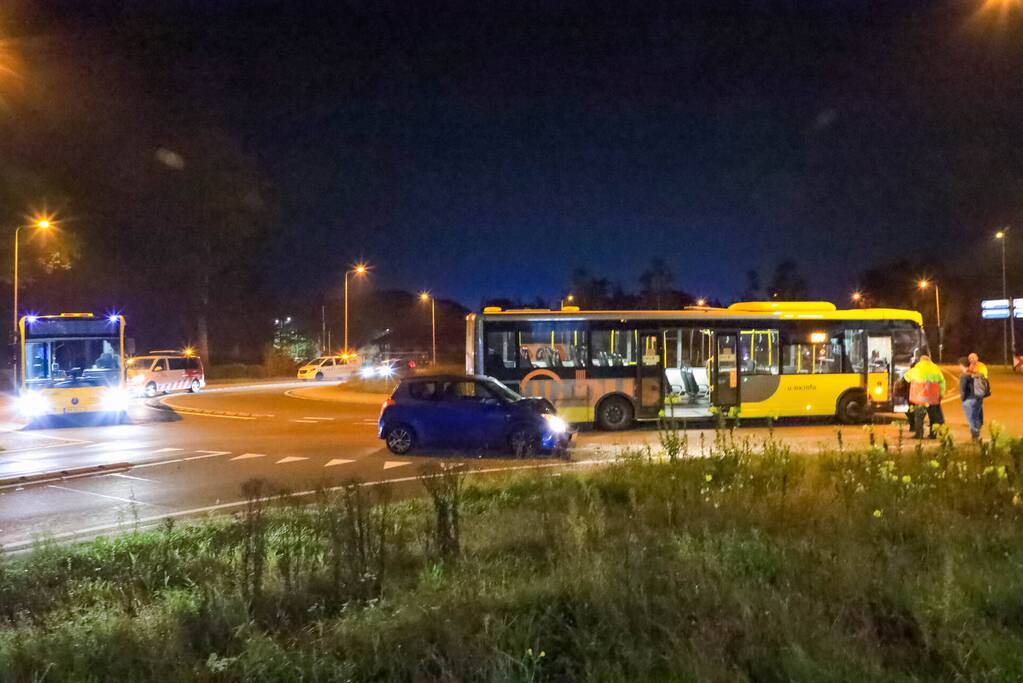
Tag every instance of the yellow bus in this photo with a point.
(71, 363)
(752, 359)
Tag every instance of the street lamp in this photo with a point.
(701, 302)
(569, 298)
(424, 297)
(924, 284)
(39, 223)
(358, 270)
(1009, 328)
(857, 298)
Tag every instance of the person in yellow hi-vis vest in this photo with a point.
(926, 387)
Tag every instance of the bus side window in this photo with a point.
(501, 351)
(759, 349)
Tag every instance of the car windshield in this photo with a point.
(60, 362)
(501, 390)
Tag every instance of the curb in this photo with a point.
(160, 405)
(59, 475)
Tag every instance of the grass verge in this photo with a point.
(895, 563)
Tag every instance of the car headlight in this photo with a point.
(32, 404)
(385, 371)
(366, 373)
(555, 423)
(138, 379)
(115, 400)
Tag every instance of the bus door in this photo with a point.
(650, 375)
(726, 381)
(879, 369)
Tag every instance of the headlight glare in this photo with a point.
(556, 424)
(32, 404)
(115, 400)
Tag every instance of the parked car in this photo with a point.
(330, 367)
(160, 372)
(469, 412)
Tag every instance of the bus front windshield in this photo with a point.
(70, 362)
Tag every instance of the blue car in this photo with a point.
(469, 412)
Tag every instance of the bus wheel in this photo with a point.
(614, 414)
(150, 390)
(852, 408)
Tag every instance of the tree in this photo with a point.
(590, 291)
(752, 292)
(787, 284)
(655, 283)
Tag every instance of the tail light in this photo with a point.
(387, 404)
(412, 365)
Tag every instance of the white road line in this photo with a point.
(99, 495)
(63, 444)
(290, 458)
(168, 450)
(390, 464)
(307, 422)
(128, 476)
(249, 456)
(215, 452)
(157, 463)
(318, 418)
(155, 519)
(204, 456)
(338, 461)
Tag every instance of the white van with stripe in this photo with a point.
(161, 372)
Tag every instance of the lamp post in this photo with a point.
(569, 298)
(1009, 328)
(424, 297)
(857, 298)
(924, 284)
(39, 224)
(359, 270)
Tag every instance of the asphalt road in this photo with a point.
(192, 454)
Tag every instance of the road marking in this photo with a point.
(290, 458)
(168, 450)
(128, 476)
(249, 456)
(390, 464)
(215, 452)
(206, 455)
(307, 422)
(98, 495)
(52, 445)
(318, 418)
(161, 518)
(338, 461)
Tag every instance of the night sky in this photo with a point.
(488, 149)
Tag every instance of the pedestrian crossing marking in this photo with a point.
(249, 456)
(290, 458)
(394, 463)
(338, 461)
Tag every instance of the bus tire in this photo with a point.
(614, 414)
(852, 408)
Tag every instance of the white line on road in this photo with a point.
(390, 464)
(318, 418)
(168, 450)
(154, 519)
(307, 422)
(290, 458)
(338, 461)
(100, 495)
(249, 456)
(211, 454)
(128, 476)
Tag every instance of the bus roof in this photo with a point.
(749, 310)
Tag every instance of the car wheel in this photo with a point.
(852, 408)
(195, 387)
(400, 439)
(150, 390)
(614, 414)
(524, 442)
(319, 376)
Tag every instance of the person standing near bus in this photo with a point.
(926, 387)
(976, 367)
(973, 389)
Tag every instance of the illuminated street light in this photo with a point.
(701, 302)
(39, 223)
(1009, 328)
(569, 298)
(359, 270)
(924, 284)
(424, 297)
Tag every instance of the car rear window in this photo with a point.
(193, 363)
(423, 391)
